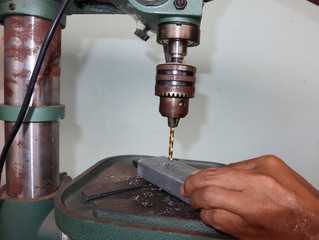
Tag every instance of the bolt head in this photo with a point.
(11, 6)
(180, 4)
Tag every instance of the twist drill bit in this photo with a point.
(171, 143)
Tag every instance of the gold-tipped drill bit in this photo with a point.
(171, 143)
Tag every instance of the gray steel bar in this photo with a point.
(168, 175)
(32, 167)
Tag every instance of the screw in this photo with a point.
(142, 34)
(180, 4)
(11, 6)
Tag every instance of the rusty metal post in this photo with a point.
(32, 167)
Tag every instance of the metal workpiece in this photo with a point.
(165, 174)
(33, 160)
(175, 84)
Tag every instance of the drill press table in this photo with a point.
(109, 201)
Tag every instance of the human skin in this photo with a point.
(260, 199)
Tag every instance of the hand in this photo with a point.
(260, 199)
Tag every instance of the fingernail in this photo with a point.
(181, 189)
(197, 171)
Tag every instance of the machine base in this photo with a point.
(109, 201)
(22, 219)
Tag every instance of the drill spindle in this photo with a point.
(171, 143)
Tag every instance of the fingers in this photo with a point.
(266, 161)
(230, 178)
(247, 164)
(223, 221)
(212, 197)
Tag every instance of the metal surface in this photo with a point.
(175, 84)
(175, 81)
(182, 31)
(38, 8)
(109, 201)
(171, 143)
(142, 34)
(165, 174)
(151, 2)
(33, 161)
(180, 4)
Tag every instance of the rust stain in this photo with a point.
(8, 91)
(20, 144)
(18, 53)
(16, 179)
(12, 81)
(7, 129)
(20, 32)
(24, 73)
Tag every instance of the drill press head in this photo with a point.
(175, 81)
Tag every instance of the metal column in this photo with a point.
(32, 167)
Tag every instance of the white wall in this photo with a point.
(257, 90)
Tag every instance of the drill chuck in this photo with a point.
(175, 81)
(175, 84)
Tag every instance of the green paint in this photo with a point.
(150, 16)
(22, 219)
(34, 114)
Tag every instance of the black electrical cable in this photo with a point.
(33, 79)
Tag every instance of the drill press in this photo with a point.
(32, 169)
